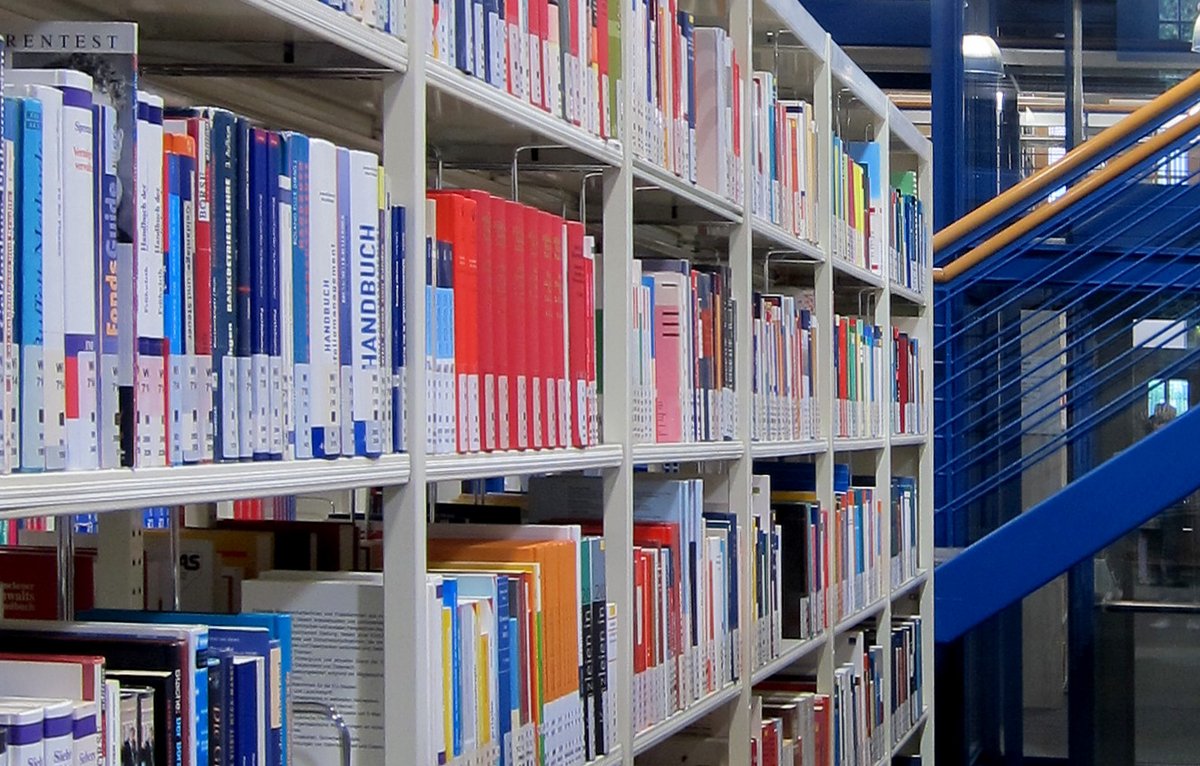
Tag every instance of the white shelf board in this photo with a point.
(777, 238)
(902, 128)
(793, 651)
(663, 730)
(687, 452)
(322, 21)
(849, 74)
(909, 440)
(842, 266)
(913, 584)
(648, 172)
(609, 759)
(858, 445)
(861, 616)
(788, 449)
(908, 735)
(513, 463)
(900, 291)
(470, 94)
(125, 488)
(801, 24)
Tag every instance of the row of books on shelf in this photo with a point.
(510, 326)
(560, 56)
(183, 285)
(683, 336)
(908, 694)
(687, 98)
(147, 687)
(783, 139)
(858, 383)
(387, 16)
(785, 337)
(856, 205)
(908, 395)
(908, 243)
(858, 704)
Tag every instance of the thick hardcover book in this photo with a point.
(362, 286)
(164, 743)
(260, 293)
(175, 347)
(224, 286)
(274, 270)
(399, 328)
(244, 271)
(150, 280)
(323, 314)
(296, 152)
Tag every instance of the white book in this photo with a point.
(112, 722)
(23, 720)
(10, 366)
(433, 385)
(77, 255)
(323, 314)
(58, 738)
(347, 673)
(437, 729)
(85, 731)
(150, 385)
(364, 268)
(53, 392)
(346, 247)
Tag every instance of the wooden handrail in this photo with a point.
(1167, 102)
(1014, 231)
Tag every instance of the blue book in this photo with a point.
(173, 306)
(274, 199)
(345, 247)
(431, 384)
(444, 321)
(224, 217)
(110, 312)
(687, 28)
(28, 246)
(399, 338)
(504, 639)
(220, 681)
(450, 601)
(463, 37)
(260, 286)
(244, 270)
(296, 158)
(250, 633)
(249, 749)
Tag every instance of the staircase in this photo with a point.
(1068, 320)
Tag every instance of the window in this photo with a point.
(1175, 18)
(1173, 391)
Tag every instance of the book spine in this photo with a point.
(300, 327)
(224, 290)
(275, 181)
(149, 282)
(10, 364)
(345, 299)
(363, 278)
(54, 247)
(324, 316)
(28, 265)
(260, 288)
(399, 337)
(203, 309)
(244, 255)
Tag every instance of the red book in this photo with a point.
(500, 331)
(539, 19)
(770, 742)
(30, 577)
(512, 38)
(639, 595)
(533, 326)
(518, 277)
(456, 224)
(577, 332)
(488, 225)
(555, 347)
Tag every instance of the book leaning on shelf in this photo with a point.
(857, 203)
(908, 698)
(227, 292)
(905, 535)
(683, 334)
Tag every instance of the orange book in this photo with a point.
(559, 597)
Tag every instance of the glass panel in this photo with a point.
(1187, 10)
(1168, 10)
(1168, 31)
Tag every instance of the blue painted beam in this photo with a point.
(1067, 528)
(879, 23)
(1107, 268)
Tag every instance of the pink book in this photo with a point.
(672, 280)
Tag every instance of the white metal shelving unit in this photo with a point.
(412, 103)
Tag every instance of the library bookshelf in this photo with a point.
(303, 64)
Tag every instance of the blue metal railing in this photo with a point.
(1122, 254)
